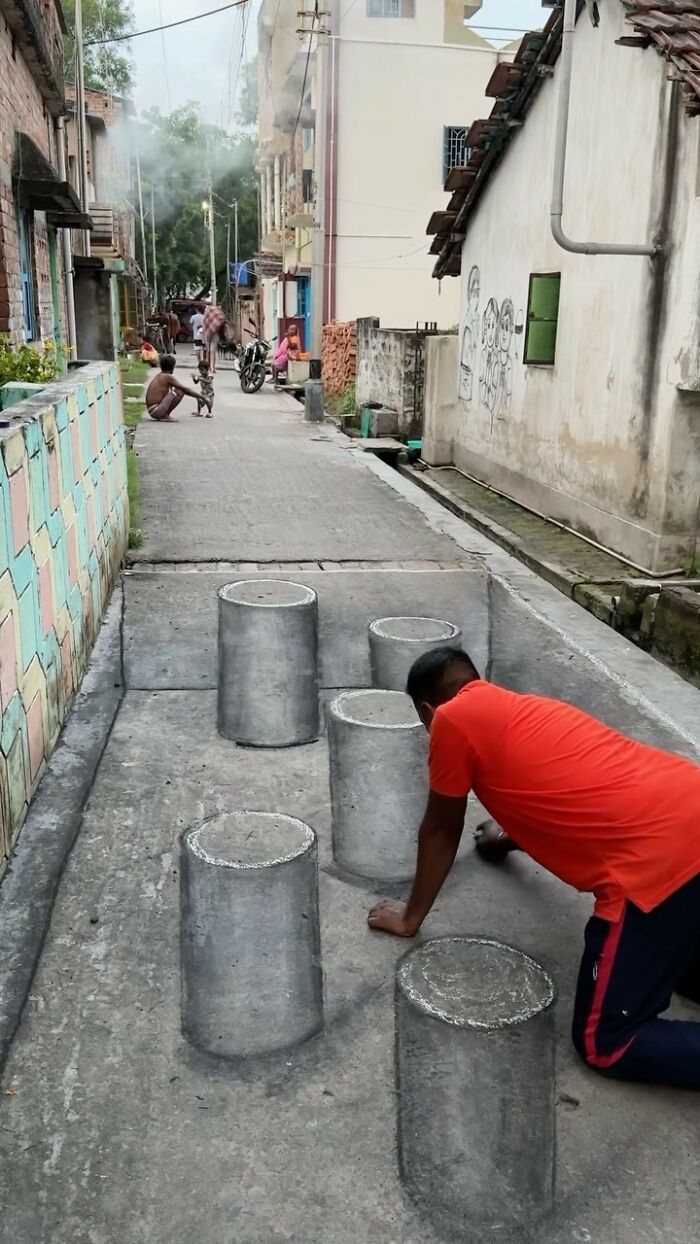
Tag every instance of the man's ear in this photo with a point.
(426, 712)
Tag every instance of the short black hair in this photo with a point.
(427, 672)
(167, 363)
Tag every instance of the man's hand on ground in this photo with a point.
(492, 842)
(389, 916)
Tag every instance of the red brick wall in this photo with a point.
(22, 108)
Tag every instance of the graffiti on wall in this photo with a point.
(490, 348)
(470, 337)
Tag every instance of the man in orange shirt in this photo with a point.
(604, 813)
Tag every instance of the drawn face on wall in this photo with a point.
(474, 290)
(490, 323)
(505, 326)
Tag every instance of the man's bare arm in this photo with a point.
(182, 388)
(438, 841)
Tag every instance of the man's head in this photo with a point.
(167, 363)
(436, 677)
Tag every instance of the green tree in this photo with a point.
(178, 153)
(108, 66)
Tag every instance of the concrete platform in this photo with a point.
(117, 1131)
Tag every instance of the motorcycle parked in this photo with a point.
(253, 368)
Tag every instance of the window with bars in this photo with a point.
(26, 271)
(391, 8)
(455, 151)
(542, 318)
(307, 178)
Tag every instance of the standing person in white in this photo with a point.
(197, 326)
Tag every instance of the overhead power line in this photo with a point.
(136, 34)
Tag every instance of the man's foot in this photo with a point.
(210, 414)
(168, 419)
(492, 843)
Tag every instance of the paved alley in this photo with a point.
(116, 1130)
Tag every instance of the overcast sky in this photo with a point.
(200, 61)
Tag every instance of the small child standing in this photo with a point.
(205, 379)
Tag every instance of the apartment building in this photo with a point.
(364, 112)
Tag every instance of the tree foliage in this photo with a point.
(108, 66)
(177, 154)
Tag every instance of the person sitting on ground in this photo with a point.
(205, 379)
(288, 348)
(608, 815)
(164, 392)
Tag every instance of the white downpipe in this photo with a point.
(565, 72)
(278, 195)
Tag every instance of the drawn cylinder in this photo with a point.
(268, 663)
(379, 784)
(475, 1080)
(250, 943)
(395, 643)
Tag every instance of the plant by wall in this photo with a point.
(28, 365)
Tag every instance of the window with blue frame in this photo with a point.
(25, 230)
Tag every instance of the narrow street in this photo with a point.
(116, 1129)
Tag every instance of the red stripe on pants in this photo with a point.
(605, 966)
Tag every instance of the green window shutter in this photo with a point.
(542, 316)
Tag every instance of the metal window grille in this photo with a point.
(391, 8)
(26, 273)
(455, 151)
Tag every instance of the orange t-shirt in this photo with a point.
(604, 813)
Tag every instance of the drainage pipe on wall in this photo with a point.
(567, 244)
(67, 248)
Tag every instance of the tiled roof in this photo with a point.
(671, 26)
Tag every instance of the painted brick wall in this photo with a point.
(22, 108)
(63, 530)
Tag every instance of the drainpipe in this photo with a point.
(576, 248)
(67, 249)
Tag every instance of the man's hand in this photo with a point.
(389, 916)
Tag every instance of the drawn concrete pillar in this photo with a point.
(268, 663)
(379, 784)
(250, 941)
(395, 643)
(475, 1084)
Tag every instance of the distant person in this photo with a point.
(289, 348)
(172, 329)
(205, 379)
(164, 392)
(608, 815)
(197, 328)
(214, 321)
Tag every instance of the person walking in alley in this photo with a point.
(197, 327)
(606, 814)
(205, 379)
(214, 321)
(164, 392)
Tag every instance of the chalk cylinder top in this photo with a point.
(248, 840)
(267, 593)
(415, 630)
(474, 983)
(381, 710)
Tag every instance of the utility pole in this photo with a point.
(212, 251)
(318, 249)
(153, 244)
(143, 228)
(80, 110)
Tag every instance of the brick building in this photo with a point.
(34, 201)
